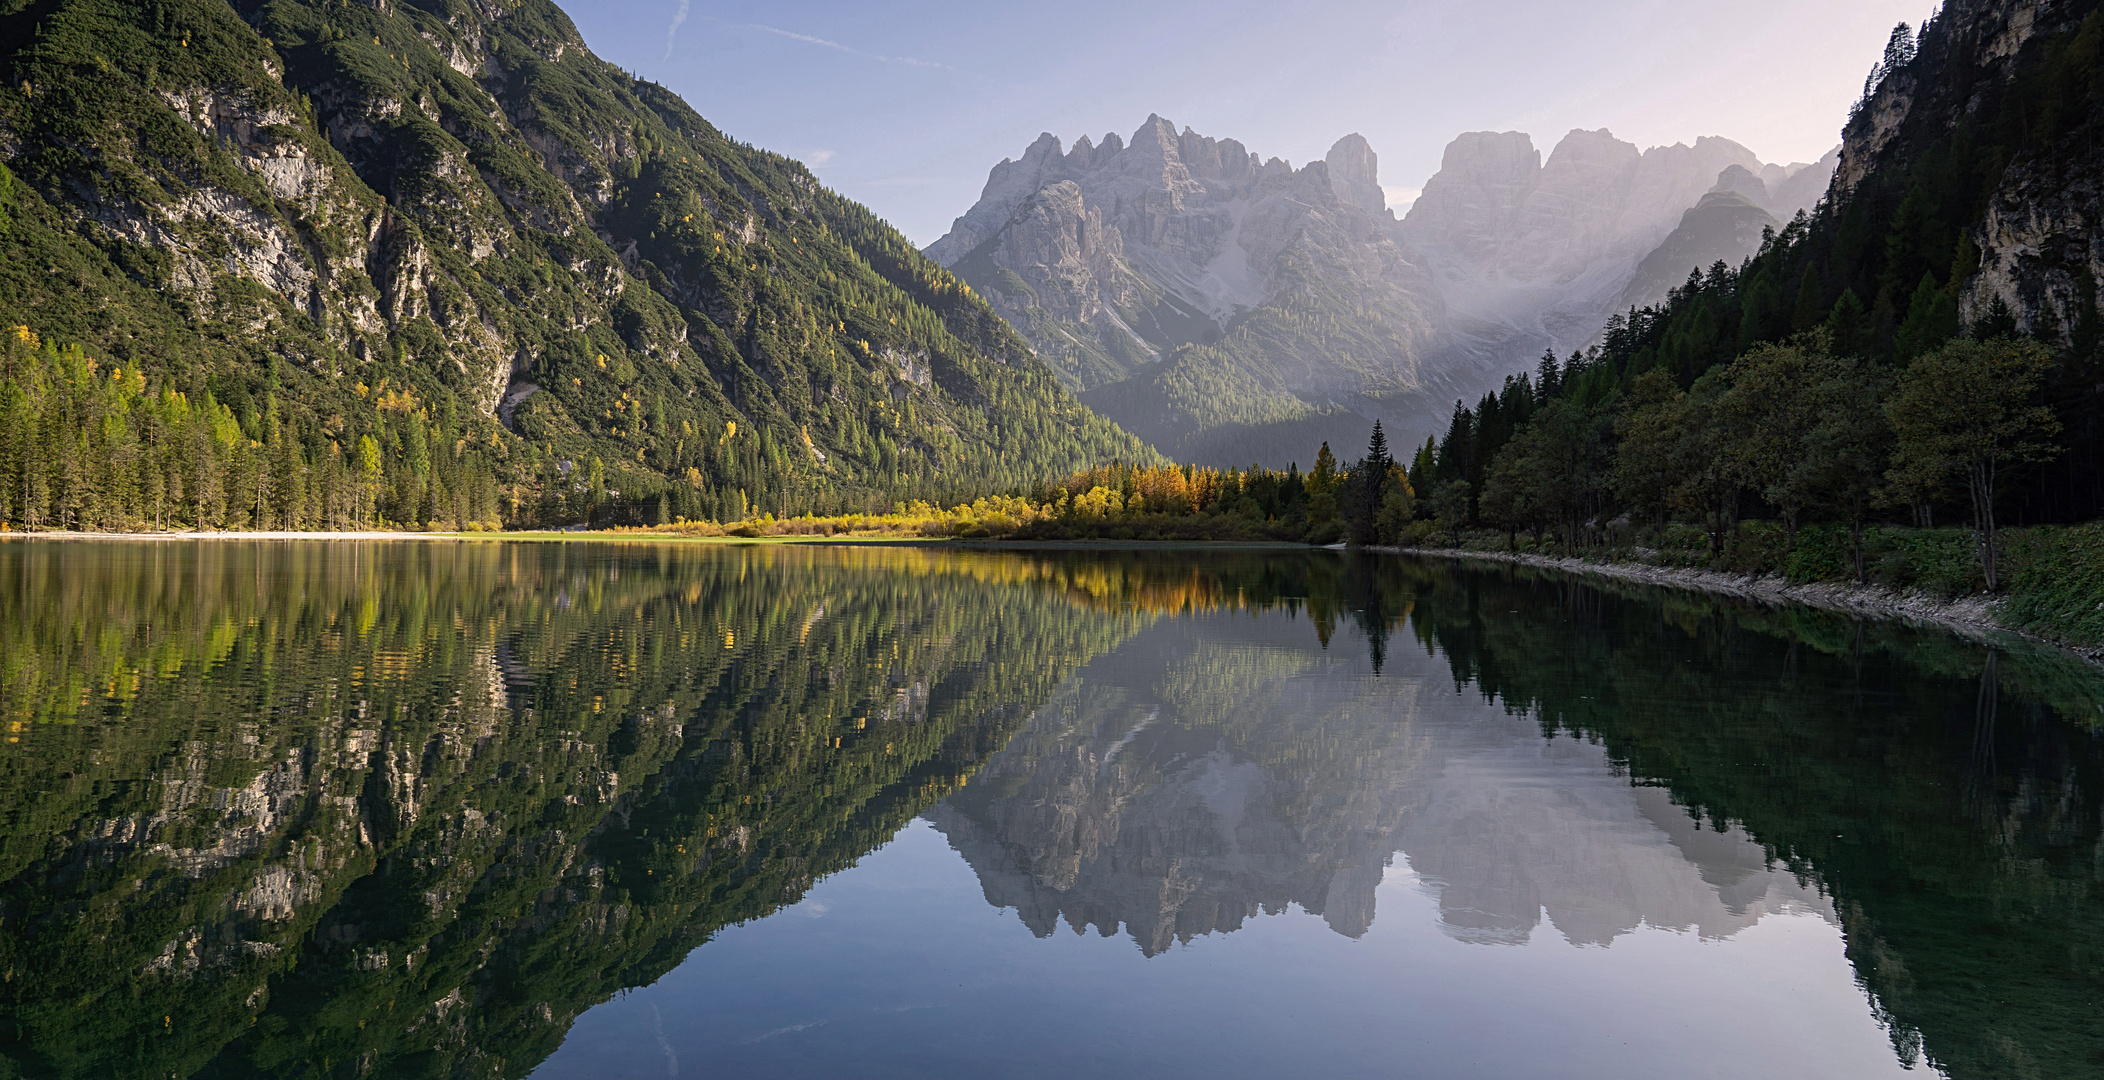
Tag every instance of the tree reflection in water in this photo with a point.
(408, 809)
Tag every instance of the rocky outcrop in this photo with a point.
(1141, 269)
(1984, 64)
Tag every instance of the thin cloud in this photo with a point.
(910, 61)
(805, 38)
(679, 19)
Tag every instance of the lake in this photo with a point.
(627, 809)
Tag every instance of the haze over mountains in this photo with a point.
(1226, 306)
(1532, 255)
(447, 224)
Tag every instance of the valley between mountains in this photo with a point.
(1231, 308)
(416, 264)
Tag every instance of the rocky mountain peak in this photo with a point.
(1174, 239)
(1355, 174)
(530, 239)
(1739, 179)
(1532, 254)
(1483, 179)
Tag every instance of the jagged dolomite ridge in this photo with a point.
(1177, 260)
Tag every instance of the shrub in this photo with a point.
(2059, 591)
(1821, 553)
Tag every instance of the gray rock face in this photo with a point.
(1177, 260)
(1736, 179)
(1797, 186)
(1729, 224)
(2041, 237)
(1229, 308)
(1726, 226)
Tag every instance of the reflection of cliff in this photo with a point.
(413, 808)
(1515, 827)
(1220, 768)
(1111, 811)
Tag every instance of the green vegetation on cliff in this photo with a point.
(292, 209)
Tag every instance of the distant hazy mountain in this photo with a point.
(1728, 224)
(1255, 778)
(1530, 256)
(1228, 308)
(1223, 306)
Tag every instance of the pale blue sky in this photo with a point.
(905, 105)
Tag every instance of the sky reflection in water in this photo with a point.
(1155, 882)
(498, 809)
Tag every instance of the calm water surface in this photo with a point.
(487, 809)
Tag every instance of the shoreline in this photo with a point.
(1974, 617)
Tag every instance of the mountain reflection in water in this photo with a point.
(1213, 769)
(346, 809)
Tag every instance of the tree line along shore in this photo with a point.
(1965, 468)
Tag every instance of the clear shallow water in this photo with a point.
(569, 810)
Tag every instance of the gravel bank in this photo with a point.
(1976, 617)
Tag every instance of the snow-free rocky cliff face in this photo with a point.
(2040, 232)
(456, 197)
(1218, 303)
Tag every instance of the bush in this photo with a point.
(1417, 533)
(1329, 532)
(1940, 562)
(2059, 592)
(1756, 547)
(1821, 553)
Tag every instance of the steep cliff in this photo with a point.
(1976, 151)
(456, 199)
(1966, 199)
(1224, 306)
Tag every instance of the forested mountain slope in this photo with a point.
(1923, 347)
(445, 227)
(1967, 201)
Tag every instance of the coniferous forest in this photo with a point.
(1844, 376)
(251, 288)
(711, 337)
